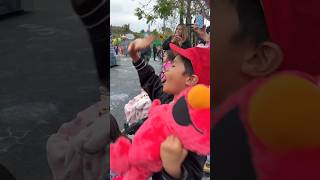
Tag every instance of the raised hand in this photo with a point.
(139, 44)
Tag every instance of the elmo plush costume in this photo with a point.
(269, 130)
(187, 117)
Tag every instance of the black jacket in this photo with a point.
(192, 167)
(165, 45)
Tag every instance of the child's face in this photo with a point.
(176, 80)
(229, 56)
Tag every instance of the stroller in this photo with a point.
(136, 111)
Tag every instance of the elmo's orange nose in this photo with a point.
(285, 113)
(199, 97)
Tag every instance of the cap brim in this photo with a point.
(179, 50)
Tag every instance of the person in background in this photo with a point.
(180, 38)
(203, 35)
(160, 53)
(146, 54)
(116, 49)
(155, 51)
(167, 64)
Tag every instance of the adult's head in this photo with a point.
(181, 30)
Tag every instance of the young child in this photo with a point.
(255, 39)
(190, 67)
(167, 64)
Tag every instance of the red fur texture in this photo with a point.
(142, 158)
(120, 153)
(190, 137)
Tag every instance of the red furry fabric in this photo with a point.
(275, 161)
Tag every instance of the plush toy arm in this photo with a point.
(119, 155)
(154, 104)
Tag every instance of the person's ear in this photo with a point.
(263, 60)
(192, 80)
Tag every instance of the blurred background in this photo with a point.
(47, 75)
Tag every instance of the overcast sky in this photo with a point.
(122, 12)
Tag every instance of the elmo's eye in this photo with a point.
(181, 115)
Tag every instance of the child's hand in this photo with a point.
(138, 44)
(172, 155)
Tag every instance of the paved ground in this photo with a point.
(47, 75)
(124, 85)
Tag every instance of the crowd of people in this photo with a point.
(120, 50)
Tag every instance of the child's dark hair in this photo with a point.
(170, 55)
(252, 21)
(187, 66)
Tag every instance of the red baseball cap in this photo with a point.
(294, 26)
(200, 60)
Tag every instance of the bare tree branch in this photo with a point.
(146, 5)
(200, 5)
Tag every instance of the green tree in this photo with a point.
(137, 35)
(168, 30)
(116, 41)
(120, 30)
(165, 9)
(155, 32)
(126, 28)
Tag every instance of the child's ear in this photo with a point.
(192, 80)
(264, 60)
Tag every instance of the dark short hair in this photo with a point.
(252, 21)
(170, 55)
(187, 66)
